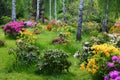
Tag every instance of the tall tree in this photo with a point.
(64, 11)
(50, 11)
(38, 10)
(55, 5)
(104, 26)
(13, 10)
(78, 36)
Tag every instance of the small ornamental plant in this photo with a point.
(96, 64)
(25, 53)
(27, 36)
(2, 43)
(49, 27)
(13, 28)
(54, 61)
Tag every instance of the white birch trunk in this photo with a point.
(38, 10)
(55, 10)
(104, 27)
(64, 11)
(13, 10)
(50, 11)
(78, 36)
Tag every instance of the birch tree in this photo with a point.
(50, 11)
(38, 10)
(13, 10)
(78, 36)
(104, 27)
(55, 6)
(64, 11)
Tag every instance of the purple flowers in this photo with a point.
(13, 27)
(114, 58)
(30, 24)
(106, 78)
(110, 64)
(114, 66)
(114, 74)
(117, 78)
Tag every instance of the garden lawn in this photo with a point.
(44, 42)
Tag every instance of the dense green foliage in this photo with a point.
(25, 53)
(54, 61)
(93, 9)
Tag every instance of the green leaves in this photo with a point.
(54, 61)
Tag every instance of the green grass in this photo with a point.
(44, 42)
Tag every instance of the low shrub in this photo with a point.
(2, 43)
(85, 53)
(5, 19)
(25, 53)
(91, 28)
(27, 36)
(54, 61)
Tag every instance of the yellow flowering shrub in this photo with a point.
(27, 36)
(104, 48)
(101, 55)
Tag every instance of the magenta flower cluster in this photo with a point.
(114, 60)
(115, 73)
(13, 27)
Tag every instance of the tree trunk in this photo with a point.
(50, 11)
(55, 10)
(104, 27)
(78, 36)
(64, 11)
(38, 10)
(13, 10)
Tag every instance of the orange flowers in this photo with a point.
(48, 27)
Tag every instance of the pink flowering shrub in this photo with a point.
(13, 28)
(30, 24)
(113, 69)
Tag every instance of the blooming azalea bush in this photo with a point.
(27, 36)
(30, 24)
(13, 28)
(101, 55)
(112, 70)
